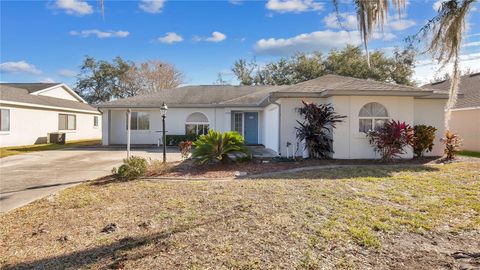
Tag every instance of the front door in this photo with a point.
(251, 127)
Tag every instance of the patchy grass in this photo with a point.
(353, 218)
(469, 154)
(16, 150)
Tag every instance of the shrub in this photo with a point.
(319, 122)
(452, 144)
(215, 146)
(132, 167)
(391, 139)
(423, 137)
(176, 139)
(185, 147)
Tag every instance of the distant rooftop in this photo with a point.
(31, 87)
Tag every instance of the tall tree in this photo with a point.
(150, 77)
(350, 61)
(100, 81)
(244, 70)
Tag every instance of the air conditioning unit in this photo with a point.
(56, 137)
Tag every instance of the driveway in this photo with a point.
(28, 177)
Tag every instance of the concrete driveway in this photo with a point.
(28, 177)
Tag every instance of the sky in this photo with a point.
(46, 41)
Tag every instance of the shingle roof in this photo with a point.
(342, 83)
(31, 87)
(226, 95)
(469, 86)
(14, 94)
(202, 95)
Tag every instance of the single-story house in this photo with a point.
(30, 111)
(466, 114)
(267, 115)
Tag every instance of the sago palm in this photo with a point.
(215, 146)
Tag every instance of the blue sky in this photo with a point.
(47, 40)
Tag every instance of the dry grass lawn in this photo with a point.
(384, 217)
(16, 150)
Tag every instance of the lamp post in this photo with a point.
(163, 112)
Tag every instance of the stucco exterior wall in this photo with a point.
(175, 124)
(30, 126)
(289, 119)
(431, 112)
(271, 127)
(467, 124)
(58, 92)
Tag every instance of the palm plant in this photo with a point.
(216, 146)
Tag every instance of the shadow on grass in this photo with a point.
(350, 172)
(117, 251)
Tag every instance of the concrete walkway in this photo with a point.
(28, 177)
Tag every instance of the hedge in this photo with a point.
(176, 139)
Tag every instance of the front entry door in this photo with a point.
(251, 127)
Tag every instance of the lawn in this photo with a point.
(469, 154)
(16, 150)
(378, 217)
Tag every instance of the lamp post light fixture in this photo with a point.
(163, 112)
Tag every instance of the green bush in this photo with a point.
(423, 137)
(215, 146)
(174, 140)
(131, 168)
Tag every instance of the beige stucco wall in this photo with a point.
(29, 126)
(431, 112)
(58, 92)
(348, 142)
(467, 124)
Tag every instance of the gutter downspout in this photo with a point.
(279, 121)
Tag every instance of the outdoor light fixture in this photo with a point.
(163, 112)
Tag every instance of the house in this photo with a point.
(267, 115)
(465, 119)
(30, 111)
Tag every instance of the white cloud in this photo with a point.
(385, 36)
(19, 67)
(320, 40)
(100, 34)
(216, 37)
(170, 37)
(235, 2)
(472, 44)
(47, 80)
(427, 69)
(345, 20)
(438, 4)
(151, 6)
(295, 6)
(67, 73)
(399, 25)
(74, 7)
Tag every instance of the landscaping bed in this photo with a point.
(378, 217)
(188, 169)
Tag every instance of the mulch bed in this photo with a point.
(187, 169)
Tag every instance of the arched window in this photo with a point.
(196, 124)
(372, 116)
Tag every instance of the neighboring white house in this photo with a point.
(466, 115)
(267, 114)
(29, 111)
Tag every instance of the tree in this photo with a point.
(150, 77)
(350, 61)
(244, 70)
(100, 81)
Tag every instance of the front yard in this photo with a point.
(16, 150)
(402, 217)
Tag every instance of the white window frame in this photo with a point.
(9, 120)
(196, 126)
(66, 124)
(243, 122)
(371, 118)
(95, 121)
(137, 118)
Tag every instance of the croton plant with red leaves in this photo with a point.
(392, 139)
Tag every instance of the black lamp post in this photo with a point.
(163, 112)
